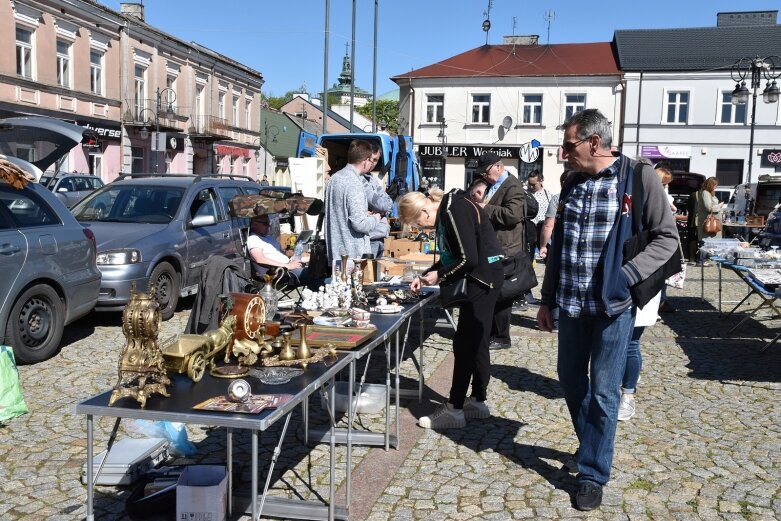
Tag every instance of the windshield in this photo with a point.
(130, 204)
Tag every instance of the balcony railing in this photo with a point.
(179, 117)
(209, 125)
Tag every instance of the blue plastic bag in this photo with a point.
(11, 397)
(174, 432)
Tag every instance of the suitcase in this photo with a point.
(129, 459)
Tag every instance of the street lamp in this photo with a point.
(169, 112)
(754, 69)
(274, 132)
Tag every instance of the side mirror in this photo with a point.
(203, 220)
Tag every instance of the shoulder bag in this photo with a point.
(645, 290)
(454, 293)
(712, 224)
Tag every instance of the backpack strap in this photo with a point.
(637, 198)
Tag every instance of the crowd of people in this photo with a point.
(487, 238)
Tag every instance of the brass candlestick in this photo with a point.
(345, 277)
(287, 352)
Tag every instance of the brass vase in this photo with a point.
(287, 352)
(303, 352)
(345, 275)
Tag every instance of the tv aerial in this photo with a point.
(549, 16)
(487, 21)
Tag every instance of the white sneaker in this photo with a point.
(446, 417)
(626, 407)
(475, 409)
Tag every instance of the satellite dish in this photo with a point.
(507, 122)
(486, 25)
(502, 131)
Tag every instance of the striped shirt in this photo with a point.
(588, 216)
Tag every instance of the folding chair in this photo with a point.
(757, 288)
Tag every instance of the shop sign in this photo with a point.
(665, 152)
(771, 158)
(282, 162)
(227, 150)
(106, 131)
(174, 142)
(520, 152)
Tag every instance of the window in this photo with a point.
(245, 167)
(136, 160)
(532, 109)
(233, 165)
(140, 90)
(677, 107)
(235, 111)
(199, 100)
(63, 63)
(24, 53)
(221, 105)
(170, 95)
(481, 108)
(96, 72)
(573, 103)
(247, 114)
(435, 108)
(731, 113)
(729, 172)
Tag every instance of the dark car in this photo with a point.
(48, 259)
(71, 188)
(681, 187)
(159, 231)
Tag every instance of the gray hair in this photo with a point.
(590, 122)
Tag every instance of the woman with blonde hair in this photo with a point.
(468, 249)
(707, 204)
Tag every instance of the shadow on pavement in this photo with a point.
(521, 379)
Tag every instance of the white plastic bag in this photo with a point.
(646, 315)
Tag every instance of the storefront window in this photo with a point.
(137, 160)
(432, 172)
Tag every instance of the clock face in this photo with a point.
(239, 390)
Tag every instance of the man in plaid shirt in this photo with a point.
(588, 279)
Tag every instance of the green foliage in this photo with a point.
(387, 111)
(276, 102)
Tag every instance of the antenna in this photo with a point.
(514, 19)
(549, 16)
(487, 21)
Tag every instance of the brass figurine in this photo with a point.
(287, 352)
(141, 368)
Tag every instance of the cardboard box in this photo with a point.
(202, 493)
(423, 259)
(401, 247)
(390, 267)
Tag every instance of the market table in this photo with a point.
(179, 408)
(747, 232)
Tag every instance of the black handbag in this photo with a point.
(453, 294)
(318, 255)
(645, 290)
(519, 277)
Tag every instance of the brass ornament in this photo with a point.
(141, 368)
(303, 352)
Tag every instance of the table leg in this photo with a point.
(351, 403)
(387, 392)
(305, 414)
(421, 376)
(229, 454)
(255, 511)
(332, 458)
(398, 382)
(718, 265)
(90, 462)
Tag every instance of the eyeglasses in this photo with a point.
(569, 146)
(489, 168)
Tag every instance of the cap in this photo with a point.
(486, 160)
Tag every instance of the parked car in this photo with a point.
(681, 187)
(50, 277)
(71, 188)
(159, 231)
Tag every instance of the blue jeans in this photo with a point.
(595, 347)
(634, 362)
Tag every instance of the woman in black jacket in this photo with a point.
(468, 248)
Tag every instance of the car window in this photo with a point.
(67, 184)
(26, 208)
(227, 193)
(126, 203)
(93, 183)
(205, 203)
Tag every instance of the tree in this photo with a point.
(276, 102)
(387, 111)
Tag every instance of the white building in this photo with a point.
(678, 96)
(509, 99)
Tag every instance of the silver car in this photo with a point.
(159, 231)
(49, 276)
(71, 188)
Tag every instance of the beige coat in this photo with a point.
(706, 203)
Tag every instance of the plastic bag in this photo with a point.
(174, 432)
(11, 398)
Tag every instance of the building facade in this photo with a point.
(679, 109)
(509, 99)
(160, 104)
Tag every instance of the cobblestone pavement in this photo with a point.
(704, 443)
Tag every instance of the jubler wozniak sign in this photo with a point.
(516, 152)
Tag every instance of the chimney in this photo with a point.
(135, 10)
(532, 39)
(744, 18)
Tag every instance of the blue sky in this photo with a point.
(284, 39)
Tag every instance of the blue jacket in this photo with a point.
(616, 275)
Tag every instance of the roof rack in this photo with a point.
(137, 175)
(228, 176)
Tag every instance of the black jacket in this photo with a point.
(469, 237)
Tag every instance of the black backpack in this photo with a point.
(532, 207)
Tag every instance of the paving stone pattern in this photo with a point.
(704, 444)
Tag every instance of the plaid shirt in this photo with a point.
(589, 214)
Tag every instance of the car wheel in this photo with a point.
(165, 282)
(36, 324)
